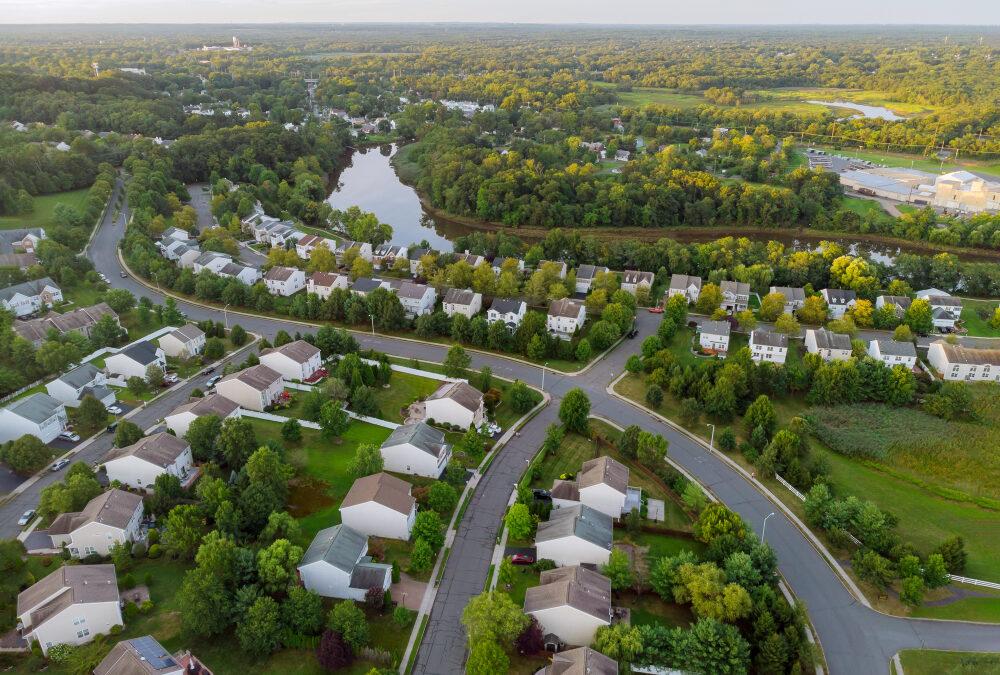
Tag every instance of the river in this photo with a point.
(871, 111)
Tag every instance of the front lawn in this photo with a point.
(649, 609)
(933, 662)
(43, 214)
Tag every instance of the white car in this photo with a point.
(60, 464)
(114, 410)
(26, 518)
(69, 436)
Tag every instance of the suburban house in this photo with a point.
(633, 280)
(714, 336)
(961, 362)
(30, 296)
(417, 449)
(183, 342)
(323, 283)
(175, 234)
(622, 155)
(255, 388)
(508, 310)
(384, 256)
(186, 254)
(171, 249)
(473, 260)
(795, 298)
(70, 606)
(466, 302)
(17, 247)
(211, 261)
(585, 275)
(380, 505)
(417, 299)
(180, 419)
(581, 661)
(570, 603)
(601, 484)
(893, 353)
(768, 346)
(304, 246)
(364, 250)
(735, 296)
(829, 345)
(900, 302)
(414, 255)
(70, 388)
(296, 360)
(80, 320)
(39, 415)
(514, 264)
(838, 302)
(139, 464)
(362, 286)
(336, 565)
(686, 285)
(575, 535)
(242, 273)
(456, 403)
(145, 656)
(132, 361)
(284, 280)
(566, 316)
(945, 309)
(110, 518)
(560, 266)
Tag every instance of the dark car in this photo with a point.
(541, 495)
(111, 427)
(521, 559)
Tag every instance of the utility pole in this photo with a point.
(711, 442)
(763, 528)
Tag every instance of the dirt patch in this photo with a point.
(308, 495)
(137, 595)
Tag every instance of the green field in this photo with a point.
(976, 315)
(44, 208)
(862, 207)
(908, 161)
(403, 390)
(986, 609)
(932, 662)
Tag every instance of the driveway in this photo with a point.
(409, 592)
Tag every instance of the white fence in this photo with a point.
(298, 386)
(416, 371)
(275, 418)
(114, 350)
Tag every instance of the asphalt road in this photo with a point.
(854, 639)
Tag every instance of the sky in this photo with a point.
(977, 12)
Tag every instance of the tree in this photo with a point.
(911, 591)
(574, 411)
(127, 433)
(714, 647)
(422, 557)
(237, 441)
(787, 324)
(902, 333)
(952, 551)
(291, 430)
(276, 565)
(772, 654)
(183, 530)
(746, 320)
(208, 605)
(442, 497)
(280, 525)
(485, 379)
(333, 652)
(709, 299)
(531, 640)
(717, 521)
(349, 620)
(873, 568)
(473, 443)
(583, 351)
(429, 527)
(620, 642)
(618, 569)
(760, 413)
(813, 310)
(493, 616)
(919, 317)
(259, 632)
(119, 300)
(333, 419)
(202, 435)
(166, 491)
(91, 413)
(154, 376)
(519, 521)
(654, 396)
(214, 348)
(26, 455)
(136, 386)
(456, 362)
(367, 461)
(238, 335)
(772, 306)
(521, 397)
(486, 658)
(935, 571)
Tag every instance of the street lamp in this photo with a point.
(711, 442)
(225, 315)
(543, 374)
(763, 528)
(372, 317)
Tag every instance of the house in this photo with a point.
(380, 505)
(795, 298)
(473, 260)
(296, 360)
(384, 257)
(175, 234)
(622, 155)
(336, 565)
(81, 321)
(601, 484)
(145, 656)
(581, 661)
(417, 299)
(40, 415)
(211, 261)
(414, 254)
(186, 255)
(499, 263)
(304, 246)
(138, 465)
(86, 380)
(466, 302)
(110, 518)
(575, 535)
(901, 303)
(570, 603)
(714, 336)
(30, 296)
(180, 419)
(965, 362)
(633, 280)
(417, 449)
(183, 342)
(456, 403)
(735, 296)
(768, 346)
(585, 275)
(70, 606)
(363, 247)
(17, 247)
(838, 302)
(133, 360)
(566, 316)
(362, 286)
(323, 283)
(686, 285)
(284, 280)
(243, 273)
(893, 353)
(829, 345)
(255, 388)
(508, 310)
(945, 309)
(560, 266)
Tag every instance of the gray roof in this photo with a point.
(9, 237)
(138, 656)
(575, 586)
(589, 271)
(604, 470)
(27, 288)
(37, 407)
(114, 508)
(579, 520)
(792, 294)
(81, 375)
(826, 339)
(213, 404)
(735, 287)
(280, 273)
(637, 276)
(260, 377)
(339, 546)
(141, 352)
(368, 574)
(768, 339)
(839, 296)
(507, 305)
(412, 291)
(209, 256)
(682, 281)
(710, 327)
(420, 435)
(299, 351)
(943, 301)
(80, 583)
(581, 661)
(461, 393)
(459, 296)
(894, 348)
(565, 307)
(188, 332)
(161, 449)
(365, 284)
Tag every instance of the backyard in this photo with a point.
(44, 210)
(976, 315)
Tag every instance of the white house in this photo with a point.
(175, 234)
(17, 247)
(585, 275)
(900, 303)
(566, 316)
(385, 255)
(186, 255)
(30, 296)
(132, 361)
(768, 346)
(243, 273)
(139, 464)
(893, 353)
(417, 449)
(417, 299)
(414, 255)
(795, 298)
(735, 296)
(183, 342)
(70, 606)
(514, 264)
(575, 535)
(254, 388)
(960, 362)
(362, 286)
(558, 265)
(71, 387)
(284, 280)
(364, 250)
(684, 284)
(336, 565)
(508, 310)
(466, 302)
(323, 283)
(601, 484)
(305, 246)
(81, 320)
(945, 309)
(456, 403)
(570, 603)
(296, 360)
(829, 345)
(473, 260)
(380, 505)
(180, 419)
(211, 261)
(39, 415)
(145, 656)
(714, 336)
(838, 302)
(110, 518)
(585, 661)
(633, 280)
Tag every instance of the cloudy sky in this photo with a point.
(977, 12)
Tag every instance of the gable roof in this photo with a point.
(114, 508)
(827, 339)
(340, 546)
(710, 327)
(589, 271)
(141, 352)
(838, 296)
(422, 436)
(325, 279)
(507, 305)
(574, 586)
(680, 282)
(461, 393)
(636, 276)
(604, 470)
(365, 284)
(260, 377)
(792, 294)
(894, 348)
(74, 584)
(299, 351)
(734, 287)
(212, 404)
(768, 339)
(960, 354)
(138, 656)
(83, 317)
(187, 333)
(460, 296)
(582, 661)
(567, 307)
(412, 291)
(280, 273)
(27, 288)
(161, 449)
(383, 489)
(80, 376)
(36, 408)
(580, 521)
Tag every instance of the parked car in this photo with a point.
(210, 370)
(212, 380)
(542, 495)
(656, 310)
(171, 378)
(632, 333)
(60, 464)
(111, 427)
(521, 559)
(26, 518)
(69, 436)
(114, 410)
(123, 275)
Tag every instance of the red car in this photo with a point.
(656, 310)
(521, 559)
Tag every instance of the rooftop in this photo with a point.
(299, 351)
(37, 407)
(576, 587)
(565, 307)
(70, 584)
(114, 508)
(603, 470)
(27, 288)
(769, 339)
(507, 305)
(959, 354)
(188, 332)
(894, 348)
(383, 489)
(141, 352)
(420, 435)
(280, 273)
(138, 656)
(213, 404)
(581, 661)
(260, 377)
(161, 449)
(710, 327)
(459, 296)
(340, 546)
(826, 339)
(581, 521)
(462, 393)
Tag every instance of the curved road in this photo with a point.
(855, 639)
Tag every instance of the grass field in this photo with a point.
(976, 315)
(862, 207)
(45, 206)
(932, 662)
(898, 159)
(985, 609)
(403, 390)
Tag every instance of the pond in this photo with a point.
(871, 111)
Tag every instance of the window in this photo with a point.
(79, 620)
(83, 633)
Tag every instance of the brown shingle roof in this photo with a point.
(576, 587)
(459, 296)
(581, 661)
(82, 583)
(299, 351)
(383, 489)
(213, 404)
(161, 449)
(565, 307)
(114, 508)
(460, 392)
(604, 470)
(260, 377)
(957, 354)
(566, 489)
(324, 279)
(280, 273)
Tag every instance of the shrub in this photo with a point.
(155, 551)
(128, 581)
(402, 616)
(146, 607)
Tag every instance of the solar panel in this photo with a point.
(153, 652)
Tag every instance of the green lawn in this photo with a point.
(861, 206)
(403, 390)
(933, 662)
(651, 610)
(44, 211)
(82, 294)
(985, 609)
(660, 545)
(524, 578)
(898, 159)
(976, 315)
